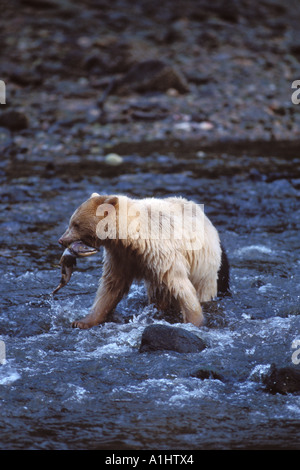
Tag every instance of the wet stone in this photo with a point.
(167, 338)
(151, 75)
(203, 374)
(282, 380)
(113, 159)
(14, 120)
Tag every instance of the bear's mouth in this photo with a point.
(80, 249)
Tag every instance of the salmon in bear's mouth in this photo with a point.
(68, 261)
(79, 249)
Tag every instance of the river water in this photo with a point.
(63, 388)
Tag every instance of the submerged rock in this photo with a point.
(282, 380)
(168, 338)
(203, 374)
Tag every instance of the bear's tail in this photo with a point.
(223, 275)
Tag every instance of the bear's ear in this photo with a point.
(94, 195)
(112, 200)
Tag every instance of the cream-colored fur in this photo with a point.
(154, 240)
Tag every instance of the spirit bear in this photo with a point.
(169, 243)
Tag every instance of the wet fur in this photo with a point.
(174, 275)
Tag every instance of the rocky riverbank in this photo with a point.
(215, 73)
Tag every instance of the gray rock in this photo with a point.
(203, 374)
(147, 76)
(153, 75)
(167, 338)
(282, 380)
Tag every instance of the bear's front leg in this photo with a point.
(111, 290)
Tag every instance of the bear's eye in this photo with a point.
(76, 225)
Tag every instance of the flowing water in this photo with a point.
(63, 388)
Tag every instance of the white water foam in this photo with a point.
(260, 248)
(8, 376)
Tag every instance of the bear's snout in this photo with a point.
(69, 237)
(62, 241)
(65, 240)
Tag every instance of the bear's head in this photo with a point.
(84, 221)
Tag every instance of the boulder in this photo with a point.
(144, 77)
(282, 380)
(167, 338)
(153, 75)
(203, 374)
